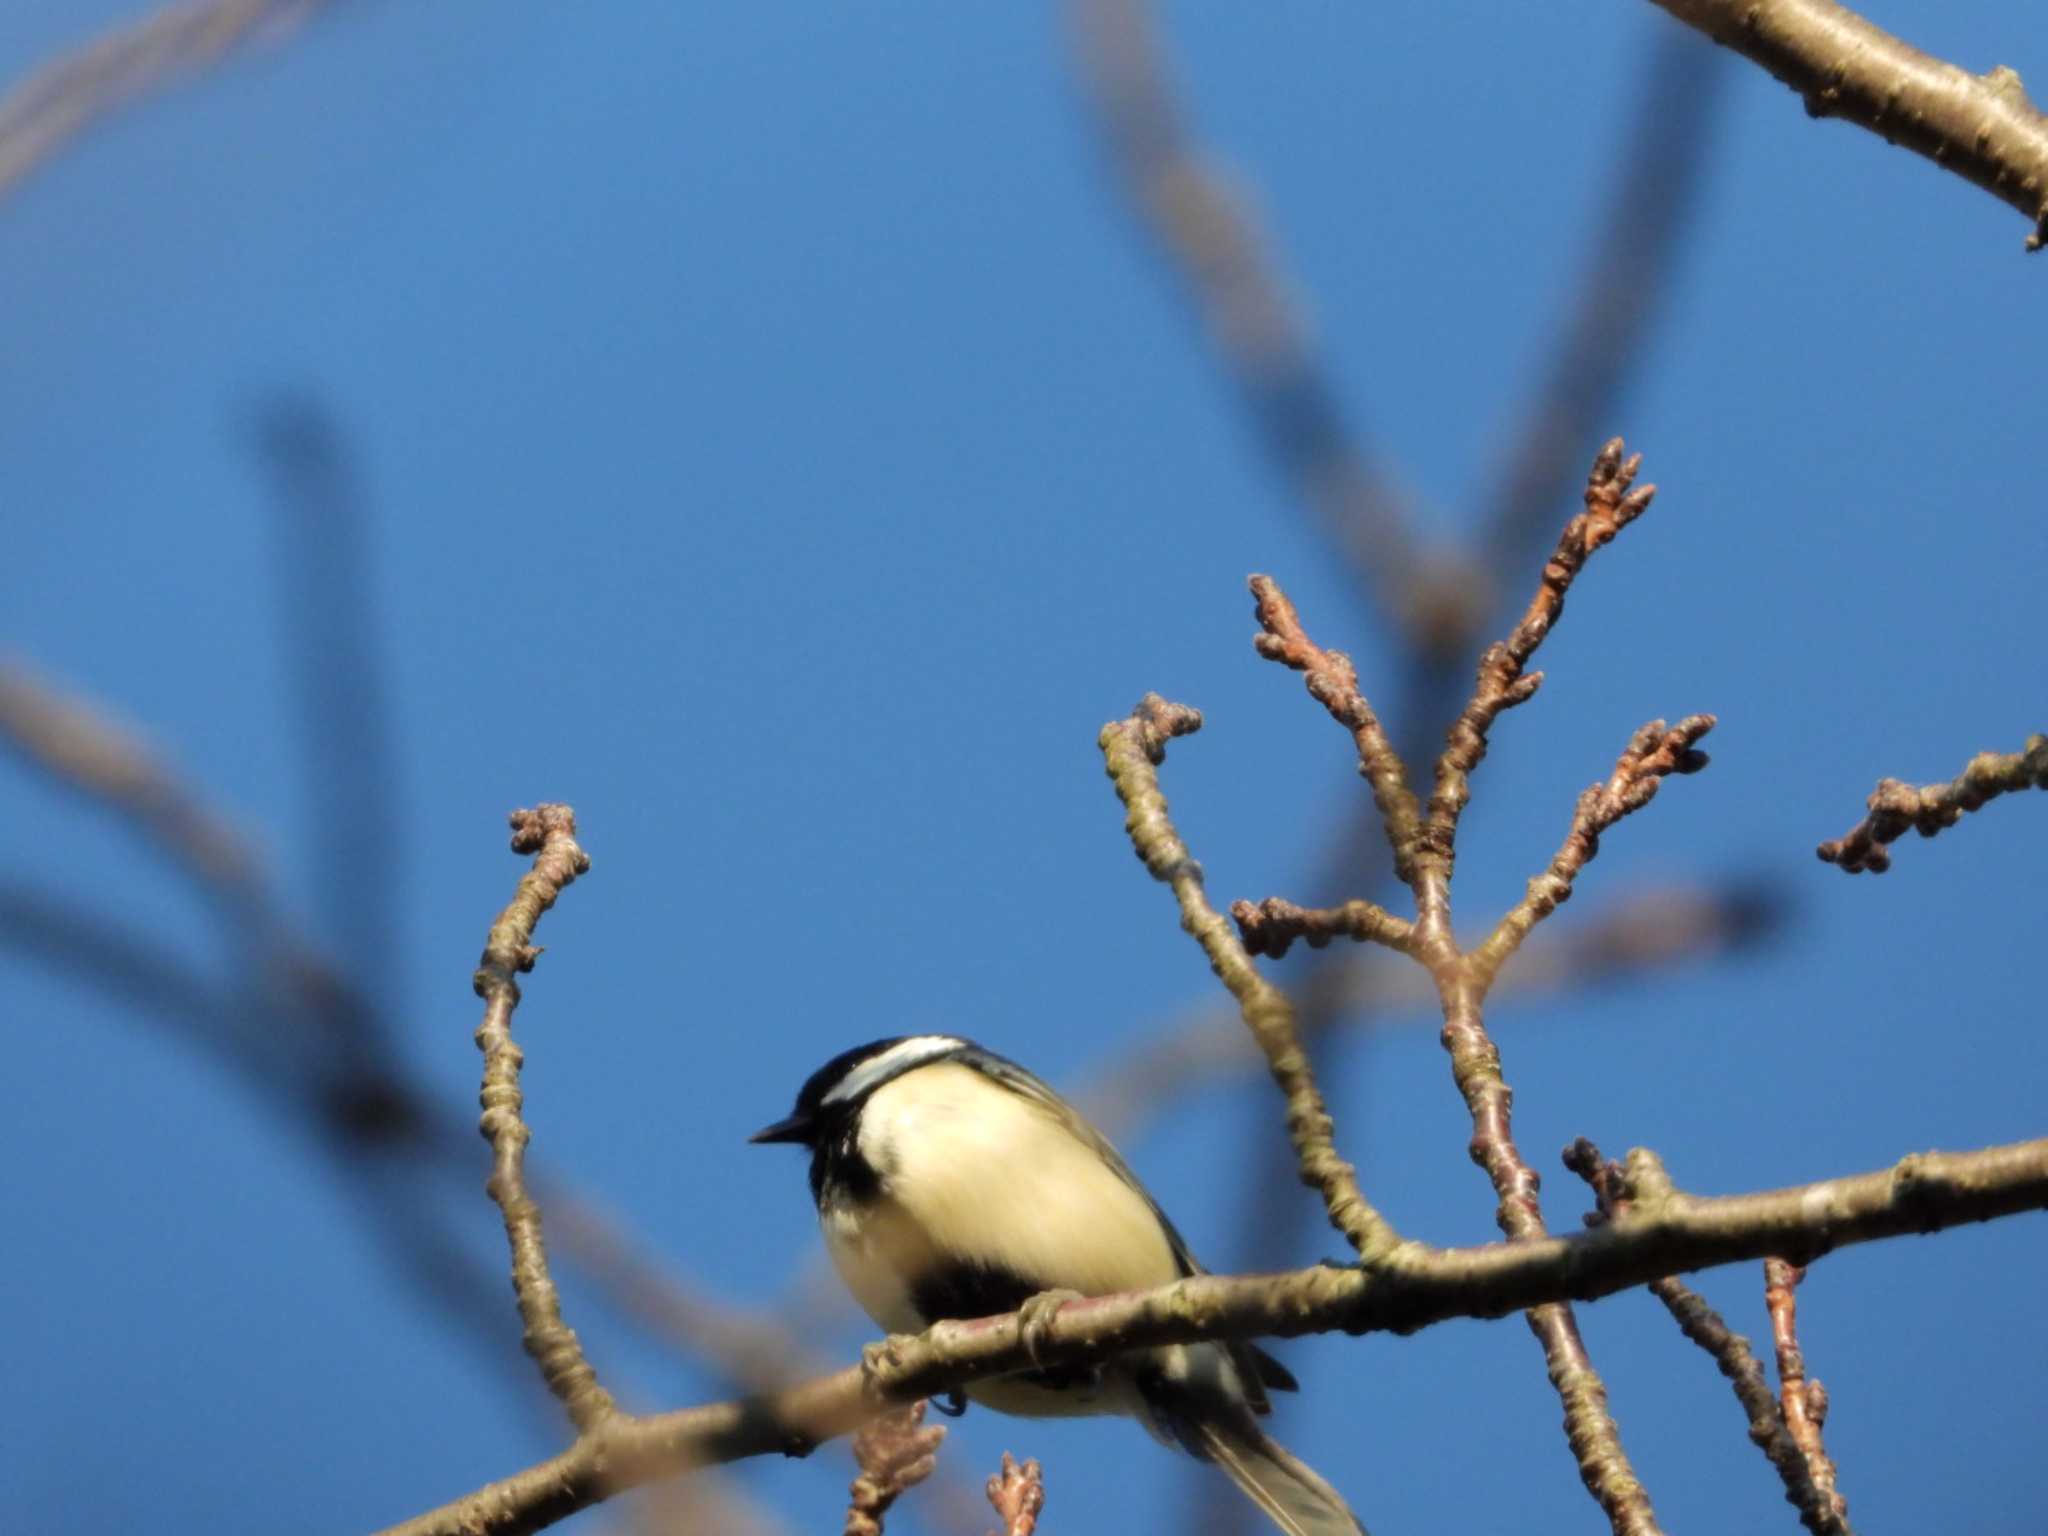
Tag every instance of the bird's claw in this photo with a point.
(880, 1362)
(1034, 1320)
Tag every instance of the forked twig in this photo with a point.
(1017, 1495)
(896, 1452)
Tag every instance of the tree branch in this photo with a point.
(549, 834)
(1981, 127)
(1132, 750)
(1801, 1398)
(1665, 1232)
(1896, 805)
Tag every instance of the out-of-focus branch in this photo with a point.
(549, 834)
(1730, 1351)
(54, 103)
(1896, 805)
(1980, 127)
(1211, 241)
(1644, 932)
(1133, 749)
(1802, 1397)
(1017, 1494)
(1664, 1232)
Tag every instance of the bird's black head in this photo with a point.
(832, 1095)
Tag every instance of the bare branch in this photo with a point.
(895, 1455)
(1665, 1232)
(1981, 127)
(1654, 752)
(1802, 1398)
(1730, 1351)
(1132, 750)
(549, 834)
(1896, 805)
(53, 104)
(1017, 1494)
(1611, 505)
(1211, 241)
(1333, 683)
(1270, 927)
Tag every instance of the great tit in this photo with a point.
(952, 1183)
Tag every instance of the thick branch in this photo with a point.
(1664, 1233)
(549, 834)
(1132, 750)
(1981, 127)
(1896, 805)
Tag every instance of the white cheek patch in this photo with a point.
(893, 1062)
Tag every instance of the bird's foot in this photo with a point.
(881, 1362)
(1034, 1320)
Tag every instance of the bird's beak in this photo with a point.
(795, 1128)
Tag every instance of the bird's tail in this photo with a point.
(1284, 1486)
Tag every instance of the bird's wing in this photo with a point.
(1258, 1368)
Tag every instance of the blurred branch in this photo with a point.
(1980, 127)
(1664, 1232)
(1803, 1399)
(1731, 1353)
(1211, 241)
(1640, 933)
(1017, 1495)
(1659, 161)
(1896, 806)
(56, 102)
(895, 1454)
(549, 834)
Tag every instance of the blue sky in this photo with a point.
(777, 441)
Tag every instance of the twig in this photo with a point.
(1895, 805)
(1270, 927)
(1652, 753)
(1611, 505)
(1132, 750)
(549, 834)
(56, 102)
(1803, 1399)
(1730, 1351)
(1665, 1233)
(1017, 1495)
(1981, 127)
(894, 1455)
(1333, 683)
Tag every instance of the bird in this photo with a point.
(952, 1183)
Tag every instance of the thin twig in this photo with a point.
(1730, 1351)
(895, 1454)
(1803, 1399)
(1980, 127)
(1133, 749)
(549, 834)
(1654, 752)
(1611, 505)
(53, 104)
(1017, 1495)
(1270, 927)
(1666, 1232)
(1896, 806)
(1333, 683)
